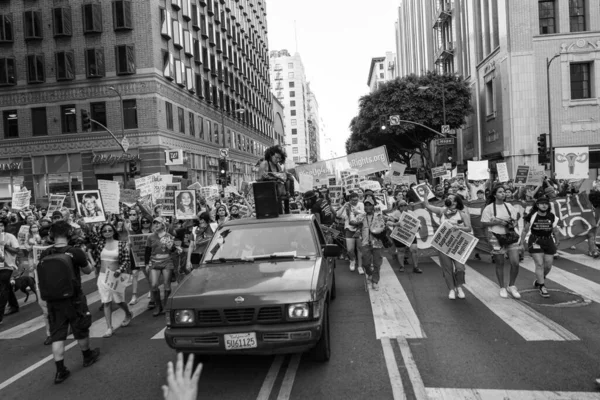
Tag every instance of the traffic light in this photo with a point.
(86, 124)
(542, 149)
(132, 168)
(382, 123)
(223, 169)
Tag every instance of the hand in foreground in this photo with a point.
(181, 384)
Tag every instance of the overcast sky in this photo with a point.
(337, 40)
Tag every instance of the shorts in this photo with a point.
(401, 245)
(497, 248)
(72, 312)
(541, 244)
(107, 294)
(348, 234)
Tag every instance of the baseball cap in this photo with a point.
(543, 199)
(310, 194)
(402, 203)
(160, 220)
(369, 199)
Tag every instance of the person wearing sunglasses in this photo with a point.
(112, 255)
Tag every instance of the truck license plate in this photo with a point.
(236, 341)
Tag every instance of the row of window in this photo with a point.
(64, 62)
(548, 16)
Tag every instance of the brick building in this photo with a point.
(192, 75)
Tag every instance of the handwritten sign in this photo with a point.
(110, 195)
(21, 199)
(138, 247)
(168, 202)
(128, 196)
(407, 230)
(536, 175)
(55, 202)
(438, 171)
(502, 172)
(146, 184)
(455, 243)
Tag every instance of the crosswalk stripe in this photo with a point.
(582, 259)
(393, 313)
(412, 370)
(575, 283)
(479, 394)
(392, 368)
(524, 320)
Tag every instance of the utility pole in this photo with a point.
(125, 174)
(550, 148)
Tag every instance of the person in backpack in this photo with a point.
(59, 274)
(8, 265)
(500, 219)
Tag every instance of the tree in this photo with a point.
(407, 98)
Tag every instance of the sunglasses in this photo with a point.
(107, 231)
(145, 222)
(132, 214)
(155, 223)
(56, 217)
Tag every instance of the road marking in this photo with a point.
(412, 370)
(267, 386)
(288, 379)
(581, 259)
(161, 334)
(575, 283)
(33, 367)
(480, 394)
(393, 313)
(527, 322)
(392, 368)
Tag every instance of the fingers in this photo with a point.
(171, 381)
(196, 375)
(189, 367)
(165, 390)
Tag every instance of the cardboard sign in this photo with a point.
(536, 175)
(521, 175)
(455, 243)
(195, 186)
(502, 172)
(370, 185)
(168, 201)
(438, 171)
(478, 170)
(572, 162)
(138, 247)
(146, 184)
(55, 203)
(117, 284)
(128, 196)
(407, 230)
(21, 199)
(110, 195)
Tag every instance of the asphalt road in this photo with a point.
(408, 340)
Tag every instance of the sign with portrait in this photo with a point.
(89, 205)
(185, 204)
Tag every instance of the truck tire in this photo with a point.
(322, 351)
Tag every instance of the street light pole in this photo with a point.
(444, 102)
(548, 63)
(122, 130)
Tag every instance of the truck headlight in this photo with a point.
(184, 317)
(298, 311)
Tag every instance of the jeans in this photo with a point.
(372, 257)
(7, 295)
(454, 272)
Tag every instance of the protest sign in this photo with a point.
(23, 236)
(55, 203)
(306, 183)
(160, 186)
(244, 210)
(521, 175)
(37, 251)
(117, 284)
(478, 170)
(502, 172)
(364, 162)
(422, 190)
(231, 190)
(398, 168)
(406, 231)
(536, 175)
(382, 202)
(455, 243)
(370, 185)
(128, 196)
(438, 172)
(21, 199)
(336, 195)
(572, 162)
(138, 248)
(146, 184)
(168, 201)
(110, 195)
(195, 186)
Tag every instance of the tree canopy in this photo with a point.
(414, 98)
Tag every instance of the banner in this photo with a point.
(306, 183)
(478, 170)
(370, 185)
(21, 199)
(407, 230)
(138, 248)
(502, 172)
(521, 175)
(455, 243)
(55, 203)
(110, 195)
(128, 196)
(364, 162)
(438, 172)
(572, 162)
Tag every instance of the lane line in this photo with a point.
(392, 368)
(393, 313)
(481, 394)
(161, 334)
(267, 386)
(581, 259)
(524, 320)
(575, 283)
(288, 380)
(33, 367)
(412, 370)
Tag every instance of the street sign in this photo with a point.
(445, 129)
(125, 143)
(444, 142)
(224, 153)
(394, 120)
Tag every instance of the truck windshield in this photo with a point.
(246, 242)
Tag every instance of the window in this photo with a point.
(292, 84)
(577, 15)
(294, 140)
(130, 113)
(168, 65)
(92, 18)
(294, 131)
(7, 72)
(181, 118)
(292, 93)
(122, 15)
(94, 63)
(294, 150)
(6, 28)
(201, 127)
(33, 25)
(187, 43)
(294, 122)
(216, 132)
(197, 52)
(11, 124)
(580, 81)
(38, 121)
(125, 56)
(179, 73)
(296, 159)
(177, 33)
(169, 111)
(381, 76)
(290, 75)
(192, 124)
(98, 113)
(490, 106)
(547, 11)
(62, 21)
(68, 118)
(292, 103)
(35, 68)
(65, 65)
(380, 66)
(290, 65)
(166, 29)
(189, 79)
(293, 113)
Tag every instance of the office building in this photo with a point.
(382, 69)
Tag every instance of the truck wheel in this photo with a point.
(322, 351)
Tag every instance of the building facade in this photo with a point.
(414, 37)
(278, 121)
(382, 69)
(169, 74)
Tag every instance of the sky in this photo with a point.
(337, 40)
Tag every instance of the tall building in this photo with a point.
(290, 86)
(382, 69)
(278, 121)
(414, 37)
(169, 74)
(314, 127)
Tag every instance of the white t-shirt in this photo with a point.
(356, 210)
(501, 213)
(9, 258)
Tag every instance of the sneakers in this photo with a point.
(133, 300)
(401, 269)
(361, 271)
(417, 270)
(503, 293)
(543, 291)
(460, 292)
(127, 320)
(352, 266)
(375, 286)
(87, 361)
(109, 333)
(61, 376)
(452, 294)
(514, 292)
(535, 284)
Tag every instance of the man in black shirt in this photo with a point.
(321, 208)
(73, 311)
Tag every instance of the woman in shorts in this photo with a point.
(402, 207)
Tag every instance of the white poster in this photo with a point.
(370, 185)
(502, 172)
(21, 199)
(536, 175)
(110, 195)
(146, 184)
(55, 202)
(478, 170)
(306, 183)
(571, 162)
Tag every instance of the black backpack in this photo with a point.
(56, 276)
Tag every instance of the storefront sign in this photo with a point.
(10, 166)
(111, 159)
(174, 157)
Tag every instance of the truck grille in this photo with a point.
(270, 314)
(206, 340)
(209, 317)
(239, 315)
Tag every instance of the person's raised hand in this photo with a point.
(181, 383)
